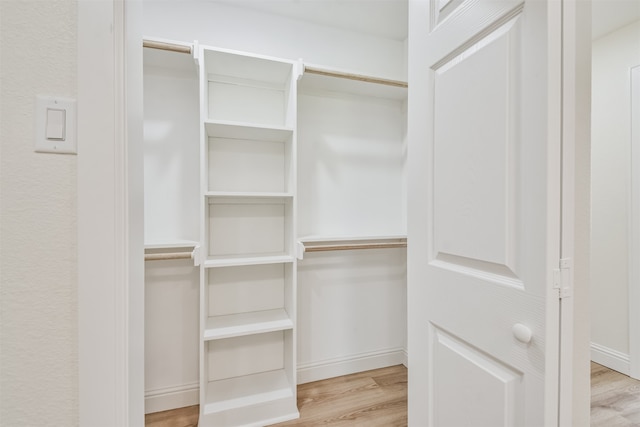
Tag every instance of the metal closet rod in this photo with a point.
(358, 77)
(171, 47)
(180, 48)
(354, 246)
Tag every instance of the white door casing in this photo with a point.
(634, 228)
(484, 212)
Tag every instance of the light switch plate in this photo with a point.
(53, 136)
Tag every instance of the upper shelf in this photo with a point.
(168, 250)
(235, 195)
(348, 239)
(247, 131)
(236, 260)
(222, 62)
(170, 244)
(348, 243)
(320, 79)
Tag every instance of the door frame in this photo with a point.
(110, 214)
(574, 371)
(634, 229)
(110, 224)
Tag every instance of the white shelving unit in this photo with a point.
(248, 220)
(268, 320)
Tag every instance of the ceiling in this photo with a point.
(388, 18)
(609, 15)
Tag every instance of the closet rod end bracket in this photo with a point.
(299, 250)
(195, 255)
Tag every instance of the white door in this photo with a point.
(484, 212)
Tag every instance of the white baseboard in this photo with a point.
(324, 369)
(610, 358)
(405, 358)
(166, 398)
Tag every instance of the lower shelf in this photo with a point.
(234, 260)
(257, 415)
(236, 325)
(251, 400)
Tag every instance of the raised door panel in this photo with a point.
(493, 396)
(475, 149)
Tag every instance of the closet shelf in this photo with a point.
(311, 69)
(323, 238)
(257, 322)
(246, 391)
(246, 131)
(170, 244)
(260, 414)
(321, 79)
(234, 260)
(250, 195)
(172, 250)
(246, 66)
(325, 244)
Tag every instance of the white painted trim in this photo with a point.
(634, 229)
(610, 358)
(330, 368)
(405, 360)
(573, 393)
(133, 184)
(103, 401)
(110, 322)
(166, 398)
(557, 228)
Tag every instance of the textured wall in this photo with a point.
(613, 56)
(38, 308)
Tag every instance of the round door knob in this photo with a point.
(522, 333)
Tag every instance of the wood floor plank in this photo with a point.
(379, 399)
(375, 398)
(615, 398)
(181, 417)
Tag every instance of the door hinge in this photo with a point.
(562, 280)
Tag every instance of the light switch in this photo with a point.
(55, 124)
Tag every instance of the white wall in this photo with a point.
(352, 312)
(38, 308)
(613, 56)
(218, 25)
(172, 206)
(352, 309)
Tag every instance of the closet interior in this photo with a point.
(275, 203)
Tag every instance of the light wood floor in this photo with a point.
(379, 398)
(615, 398)
(375, 398)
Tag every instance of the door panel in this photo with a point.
(494, 394)
(484, 212)
(475, 147)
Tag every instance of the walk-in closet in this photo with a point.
(275, 201)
